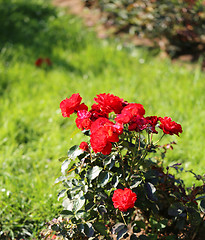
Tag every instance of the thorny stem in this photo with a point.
(159, 139)
(123, 218)
(139, 142)
(123, 168)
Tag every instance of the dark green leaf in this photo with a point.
(176, 209)
(150, 190)
(115, 181)
(194, 216)
(140, 224)
(180, 224)
(104, 177)
(102, 209)
(67, 213)
(89, 206)
(199, 198)
(88, 229)
(133, 237)
(202, 206)
(143, 237)
(93, 172)
(100, 227)
(118, 227)
(55, 227)
(135, 184)
(80, 214)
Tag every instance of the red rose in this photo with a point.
(103, 132)
(84, 146)
(48, 61)
(134, 108)
(151, 123)
(83, 120)
(109, 103)
(137, 123)
(70, 105)
(97, 112)
(39, 62)
(124, 199)
(100, 122)
(170, 127)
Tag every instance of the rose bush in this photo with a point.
(115, 184)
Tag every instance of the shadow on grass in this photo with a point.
(37, 29)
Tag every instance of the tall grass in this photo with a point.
(33, 132)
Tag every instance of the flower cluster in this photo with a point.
(40, 61)
(114, 184)
(110, 116)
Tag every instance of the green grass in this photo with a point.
(33, 132)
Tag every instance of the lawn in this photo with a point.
(33, 132)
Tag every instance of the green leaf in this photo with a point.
(68, 204)
(89, 206)
(176, 209)
(79, 202)
(133, 237)
(140, 224)
(135, 184)
(193, 216)
(88, 229)
(61, 193)
(104, 178)
(115, 181)
(65, 165)
(202, 206)
(102, 209)
(72, 150)
(93, 172)
(67, 213)
(199, 198)
(62, 159)
(55, 227)
(100, 227)
(60, 179)
(150, 190)
(118, 227)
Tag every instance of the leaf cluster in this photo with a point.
(182, 22)
(164, 205)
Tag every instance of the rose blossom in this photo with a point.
(83, 120)
(39, 62)
(170, 127)
(103, 132)
(97, 112)
(151, 123)
(84, 146)
(110, 103)
(124, 199)
(70, 105)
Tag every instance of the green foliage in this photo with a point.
(164, 205)
(182, 22)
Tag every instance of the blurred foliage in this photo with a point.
(181, 22)
(35, 26)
